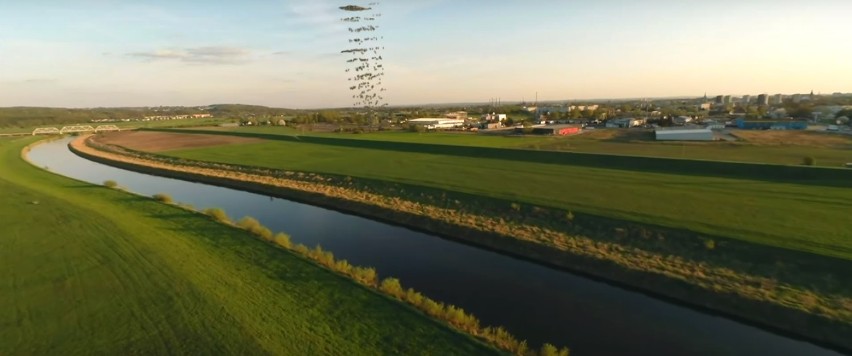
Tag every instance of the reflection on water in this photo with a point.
(536, 303)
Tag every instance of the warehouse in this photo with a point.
(684, 134)
(556, 130)
(437, 123)
(559, 130)
(771, 125)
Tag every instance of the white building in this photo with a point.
(437, 123)
(682, 120)
(714, 125)
(625, 123)
(684, 134)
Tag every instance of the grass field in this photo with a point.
(786, 147)
(91, 270)
(794, 216)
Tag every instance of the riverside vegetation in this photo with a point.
(368, 277)
(89, 269)
(757, 282)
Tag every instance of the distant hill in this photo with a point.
(42, 116)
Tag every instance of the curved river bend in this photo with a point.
(534, 302)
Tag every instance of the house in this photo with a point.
(682, 120)
(491, 125)
(684, 134)
(494, 117)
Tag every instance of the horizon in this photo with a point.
(285, 54)
(450, 104)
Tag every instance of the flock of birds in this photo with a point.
(365, 63)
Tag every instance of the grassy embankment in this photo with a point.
(762, 276)
(804, 217)
(88, 269)
(775, 147)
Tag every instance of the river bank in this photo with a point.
(92, 270)
(739, 294)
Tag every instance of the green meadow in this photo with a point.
(804, 217)
(830, 150)
(91, 270)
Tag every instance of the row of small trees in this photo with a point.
(368, 277)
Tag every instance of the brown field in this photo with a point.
(618, 135)
(162, 141)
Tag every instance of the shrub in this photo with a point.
(325, 258)
(365, 275)
(392, 286)
(283, 240)
(301, 249)
(432, 308)
(110, 183)
(569, 216)
(163, 198)
(550, 350)
(251, 224)
(414, 297)
(710, 244)
(809, 161)
(217, 214)
(343, 266)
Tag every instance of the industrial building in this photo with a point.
(624, 123)
(557, 130)
(771, 124)
(437, 123)
(684, 134)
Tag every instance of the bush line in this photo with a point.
(456, 317)
(163, 198)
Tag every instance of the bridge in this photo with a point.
(74, 128)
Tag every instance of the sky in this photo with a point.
(286, 53)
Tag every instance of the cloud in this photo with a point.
(211, 55)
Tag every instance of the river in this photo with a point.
(534, 302)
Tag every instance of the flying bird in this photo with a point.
(354, 8)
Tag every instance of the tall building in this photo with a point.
(779, 99)
(746, 99)
(726, 99)
(763, 100)
(797, 98)
(719, 99)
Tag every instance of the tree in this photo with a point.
(574, 113)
